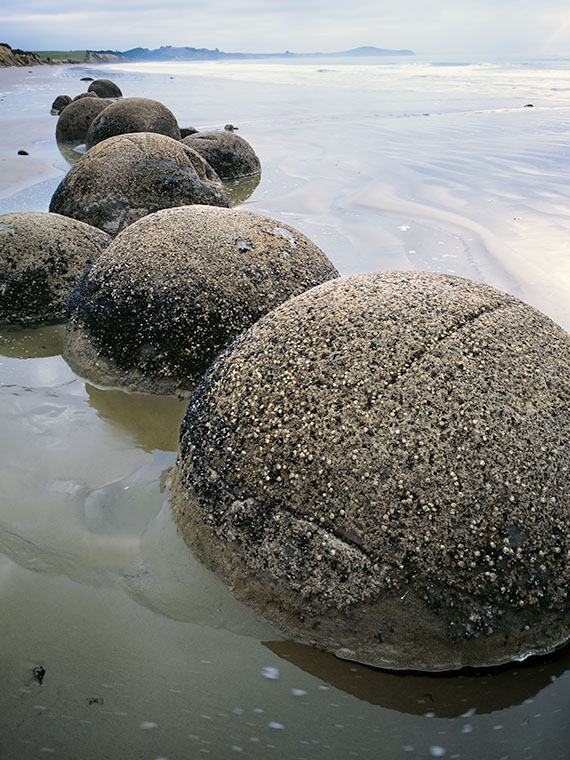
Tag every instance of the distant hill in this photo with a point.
(169, 53)
(368, 50)
(10, 57)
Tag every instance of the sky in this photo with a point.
(528, 28)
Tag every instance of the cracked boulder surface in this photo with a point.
(380, 467)
(176, 287)
(42, 256)
(132, 115)
(130, 176)
(229, 155)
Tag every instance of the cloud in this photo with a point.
(509, 26)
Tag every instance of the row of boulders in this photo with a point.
(139, 160)
(377, 464)
(99, 88)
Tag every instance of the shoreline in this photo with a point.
(399, 195)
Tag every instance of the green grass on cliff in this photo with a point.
(58, 55)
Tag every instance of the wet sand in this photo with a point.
(145, 653)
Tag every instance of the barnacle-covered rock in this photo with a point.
(129, 176)
(42, 256)
(174, 288)
(227, 153)
(380, 467)
(133, 115)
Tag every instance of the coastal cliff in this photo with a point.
(16, 57)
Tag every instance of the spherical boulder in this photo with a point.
(380, 467)
(85, 95)
(174, 288)
(59, 103)
(129, 176)
(227, 153)
(133, 115)
(104, 88)
(42, 256)
(75, 119)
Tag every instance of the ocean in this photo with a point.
(458, 166)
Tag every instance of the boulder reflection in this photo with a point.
(31, 343)
(240, 189)
(71, 151)
(446, 695)
(153, 421)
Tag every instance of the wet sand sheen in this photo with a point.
(145, 652)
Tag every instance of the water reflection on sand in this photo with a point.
(145, 653)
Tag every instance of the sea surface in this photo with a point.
(459, 166)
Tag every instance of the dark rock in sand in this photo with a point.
(41, 258)
(76, 118)
(104, 88)
(133, 115)
(23, 152)
(87, 79)
(185, 131)
(174, 288)
(60, 102)
(85, 95)
(129, 176)
(228, 154)
(381, 467)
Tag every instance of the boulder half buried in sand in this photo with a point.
(59, 103)
(133, 115)
(76, 118)
(380, 467)
(227, 153)
(174, 288)
(104, 88)
(41, 258)
(129, 176)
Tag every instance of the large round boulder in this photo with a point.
(380, 467)
(129, 176)
(42, 256)
(133, 115)
(174, 288)
(75, 119)
(104, 88)
(227, 153)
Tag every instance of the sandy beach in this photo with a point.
(399, 165)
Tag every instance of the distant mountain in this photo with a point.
(368, 50)
(169, 53)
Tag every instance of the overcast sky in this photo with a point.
(508, 27)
